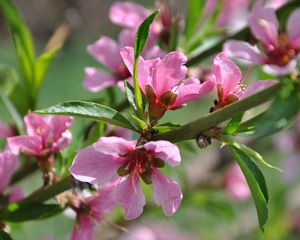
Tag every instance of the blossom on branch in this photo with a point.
(229, 82)
(116, 159)
(163, 83)
(277, 51)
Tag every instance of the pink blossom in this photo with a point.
(278, 52)
(113, 158)
(91, 211)
(9, 163)
(118, 132)
(236, 184)
(107, 52)
(163, 83)
(156, 231)
(16, 194)
(45, 135)
(5, 131)
(229, 82)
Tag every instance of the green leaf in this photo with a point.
(250, 125)
(143, 34)
(42, 64)
(30, 211)
(4, 236)
(233, 124)
(165, 127)
(130, 95)
(87, 110)
(8, 79)
(282, 110)
(141, 124)
(195, 12)
(12, 111)
(22, 39)
(254, 155)
(256, 182)
(139, 44)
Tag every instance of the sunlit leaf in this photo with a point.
(87, 110)
(256, 182)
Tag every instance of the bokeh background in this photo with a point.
(207, 211)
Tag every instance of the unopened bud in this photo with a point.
(203, 141)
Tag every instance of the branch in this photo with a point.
(192, 129)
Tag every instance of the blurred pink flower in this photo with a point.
(107, 51)
(229, 82)
(278, 52)
(92, 211)
(16, 194)
(113, 158)
(156, 231)
(118, 132)
(45, 135)
(5, 131)
(162, 81)
(236, 184)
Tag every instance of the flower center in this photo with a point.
(283, 53)
(139, 164)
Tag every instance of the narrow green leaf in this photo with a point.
(130, 95)
(22, 38)
(42, 64)
(250, 125)
(12, 111)
(233, 124)
(139, 122)
(139, 44)
(256, 182)
(254, 155)
(195, 11)
(282, 110)
(8, 79)
(30, 211)
(87, 110)
(4, 236)
(143, 34)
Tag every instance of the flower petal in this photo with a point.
(102, 201)
(128, 14)
(85, 229)
(106, 51)
(280, 71)
(96, 80)
(243, 50)
(192, 89)
(37, 126)
(9, 163)
(166, 192)
(93, 166)
(130, 196)
(28, 144)
(127, 54)
(257, 86)
(16, 194)
(114, 145)
(226, 72)
(59, 125)
(236, 184)
(264, 26)
(164, 150)
(5, 131)
(293, 28)
(169, 72)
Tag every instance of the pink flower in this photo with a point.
(45, 135)
(91, 211)
(236, 184)
(278, 52)
(113, 158)
(5, 131)
(229, 82)
(16, 194)
(9, 163)
(162, 81)
(107, 52)
(118, 132)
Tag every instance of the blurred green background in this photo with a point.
(207, 212)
